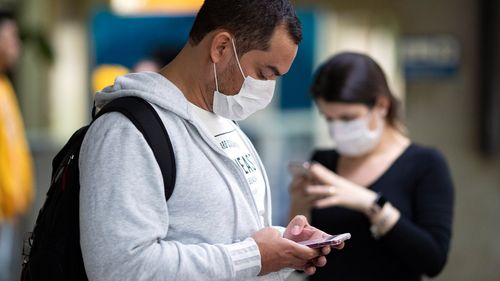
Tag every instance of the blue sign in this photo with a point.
(296, 83)
(430, 57)
(125, 40)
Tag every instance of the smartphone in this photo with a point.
(299, 168)
(332, 240)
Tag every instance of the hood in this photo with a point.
(150, 86)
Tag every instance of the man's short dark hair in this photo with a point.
(252, 22)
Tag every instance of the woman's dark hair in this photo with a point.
(252, 22)
(6, 16)
(355, 78)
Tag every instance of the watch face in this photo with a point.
(380, 202)
(375, 209)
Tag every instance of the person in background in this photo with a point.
(16, 178)
(394, 196)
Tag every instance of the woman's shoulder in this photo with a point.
(425, 155)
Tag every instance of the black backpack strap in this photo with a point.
(148, 122)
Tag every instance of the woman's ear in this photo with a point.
(383, 104)
(220, 47)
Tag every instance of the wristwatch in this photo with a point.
(375, 208)
(378, 204)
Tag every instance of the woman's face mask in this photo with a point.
(253, 96)
(354, 138)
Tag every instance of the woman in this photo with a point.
(395, 197)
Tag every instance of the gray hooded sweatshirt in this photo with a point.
(128, 230)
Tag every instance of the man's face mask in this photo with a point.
(354, 138)
(253, 96)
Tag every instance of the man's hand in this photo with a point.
(300, 230)
(277, 253)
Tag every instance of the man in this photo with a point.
(216, 225)
(16, 179)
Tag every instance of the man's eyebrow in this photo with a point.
(274, 70)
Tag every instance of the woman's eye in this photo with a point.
(347, 118)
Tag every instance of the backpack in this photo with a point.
(52, 251)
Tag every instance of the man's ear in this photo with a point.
(221, 47)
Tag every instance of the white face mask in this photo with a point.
(253, 96)
(354, 138)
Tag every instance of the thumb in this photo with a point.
(323, 174)
(298, 223)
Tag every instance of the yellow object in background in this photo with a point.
(16, 174)
(105, 75)
(173, 5)
(156, 6)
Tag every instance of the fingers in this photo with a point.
(320, 261)
(339, 246)
(302, 260)
(308, 259)
(311, 267)
(298, 183)
(321, 190)
(326, 250)
(310, 270)
(302, 252)
(322, 174)
(326, 195)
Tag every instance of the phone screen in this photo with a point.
(330, 240)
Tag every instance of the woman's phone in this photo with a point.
(332, 240)
(299, 168)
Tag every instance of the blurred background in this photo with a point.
(442, 58)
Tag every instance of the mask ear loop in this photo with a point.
(216, 83)
(237, 60)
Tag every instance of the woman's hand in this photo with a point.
(334, 190)
(301, 202)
